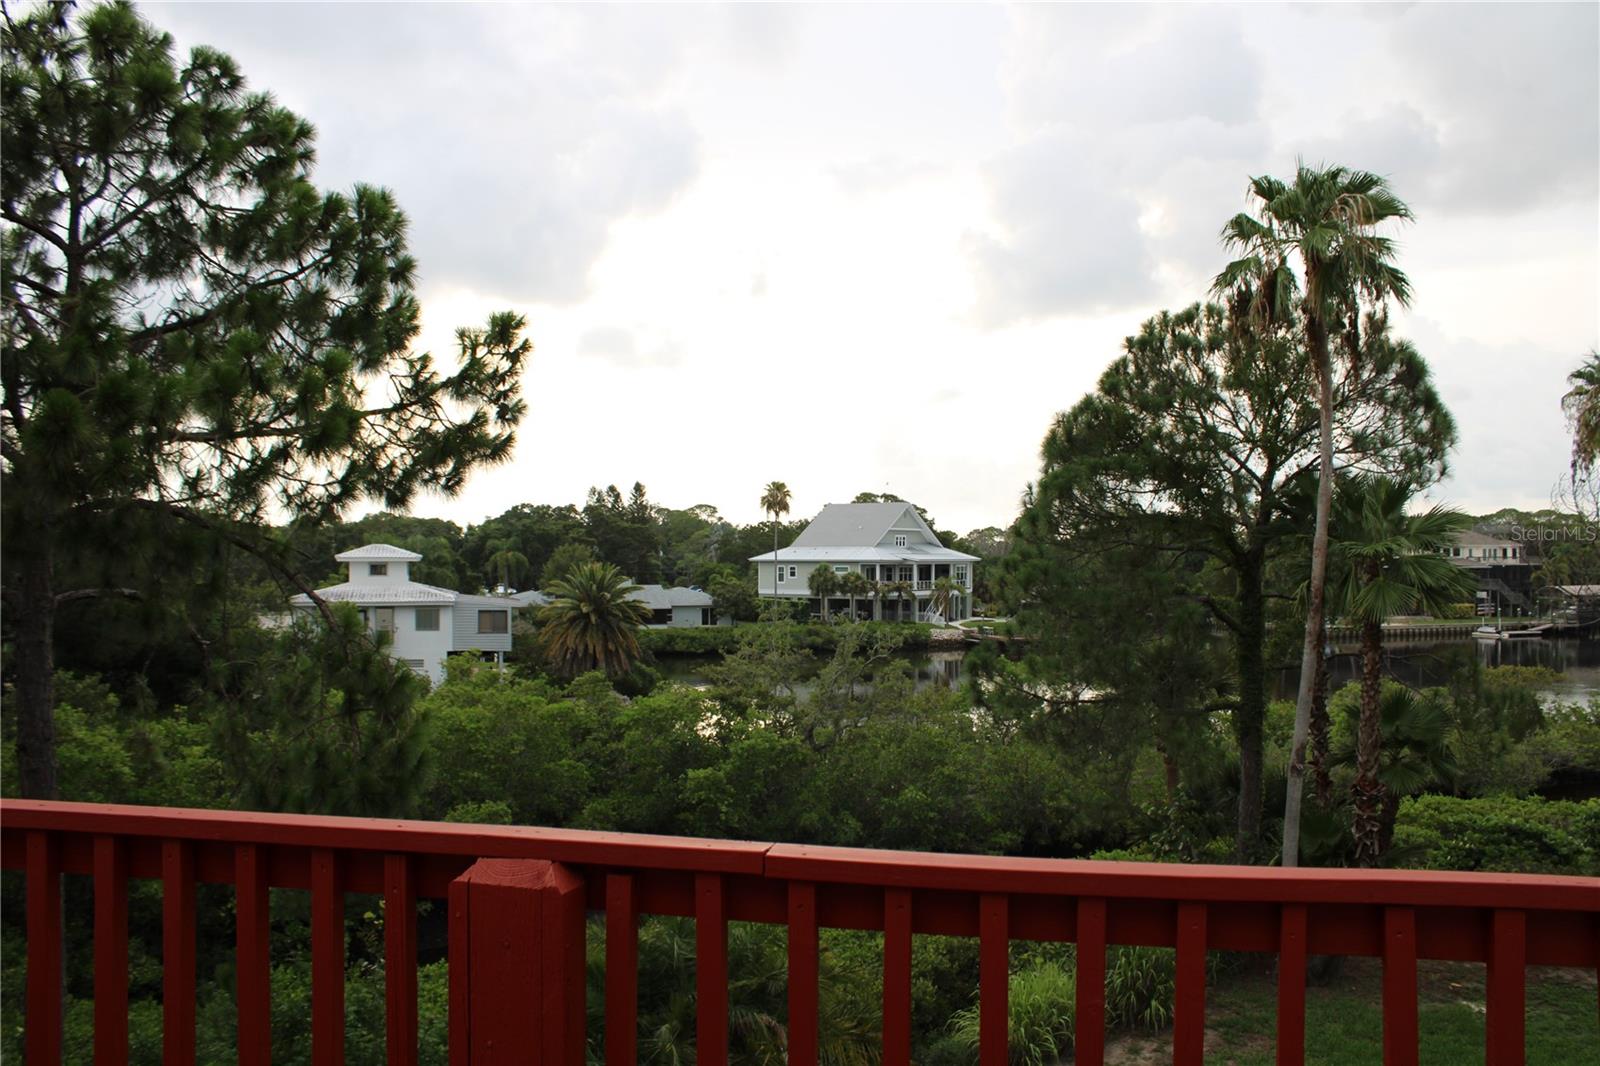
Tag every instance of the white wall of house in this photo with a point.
(686, 616)
(467, 637)
(430, 647)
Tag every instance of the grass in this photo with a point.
(1344, 1020)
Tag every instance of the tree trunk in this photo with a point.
(1248, 719)
(1312, 650)
(1319, 734)
(35, 693)
(1367, 791)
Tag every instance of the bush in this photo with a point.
(814, 636)
(1499, 834)
(1042, 1006)
(1456, 612)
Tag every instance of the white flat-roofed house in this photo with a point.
(428, 623)
(887, 543)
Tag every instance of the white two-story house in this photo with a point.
(428, 623)
(887, 543)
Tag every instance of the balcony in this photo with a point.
(518, 899)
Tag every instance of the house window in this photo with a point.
(794, 572)
(780, 575)
(705, 616)
(869, 571)
(961, 573)
(492, 622)
(899, 540)
(377, 569)
(906, 573)
(427, 619)
(841, 569)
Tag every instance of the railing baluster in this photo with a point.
(1399, 986)
(110, 951)
(897, 977)
(622, 971)
(1504, 1027)
(1292, 984)
(994, 978)
(1089, 1025)
(327, 960)
(803, 965)
(177, 953)
(1189, 1007)
(400, 959)
(42, 1038)
(253, 957)
(711, 970)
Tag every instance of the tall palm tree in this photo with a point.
(591, 623)
(1387, 562)
(1314, 243)
(775, 502)
(823, 583)
(1582, 405)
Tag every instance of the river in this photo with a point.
(1421, 664)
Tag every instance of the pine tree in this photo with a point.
(196, 337)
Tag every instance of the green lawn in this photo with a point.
(1344, 1022)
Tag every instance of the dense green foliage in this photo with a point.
(196, 337)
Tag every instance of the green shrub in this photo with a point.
(1042, 1006)
(1458, 611)
(814, 636)
(1500, 834)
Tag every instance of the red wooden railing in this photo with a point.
(515, 928)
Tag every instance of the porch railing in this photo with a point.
(518, 896)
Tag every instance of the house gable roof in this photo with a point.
(858, 525)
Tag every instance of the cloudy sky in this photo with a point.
(868, 248)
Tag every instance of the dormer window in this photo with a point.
(377, 569)
(899, 540)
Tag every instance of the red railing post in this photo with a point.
(42, 1038)
(110, 951)
(517, 964)
(1505, 1025)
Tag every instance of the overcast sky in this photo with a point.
(869, 248)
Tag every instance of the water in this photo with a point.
(1423, 665)
(1420, 664)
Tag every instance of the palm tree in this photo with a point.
(591, 622)
(1413, 752)
(1387, 562)
(943, 590)
(855, 585)
(901, 591)
(823, 583)
(775, 502)
(506, 566)
(1325, 224)
(1582, 405)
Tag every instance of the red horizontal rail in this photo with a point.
(1507, 921)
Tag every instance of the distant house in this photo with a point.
(887, 543)
(1501, 568)
(428, 623)
(675, 607)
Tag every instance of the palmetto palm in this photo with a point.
(823, 583)
(1413, 751)
(507, 566)
(591, 623)
(1315, 243)
(855, 585)
(1582, 405)
(1386, 562)
(775, 502)
(944, 589)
